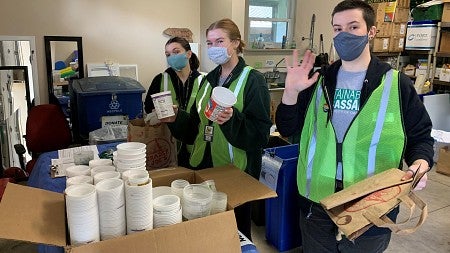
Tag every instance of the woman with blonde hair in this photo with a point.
(240, 132)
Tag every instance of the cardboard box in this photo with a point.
(398, 29)
(401, 15)
(379, 9)
(443, 163)
(446, 12)
(444, 44)
(421, 36)
(380, 45)
(384, 29)
(396, 44)
(403, 3)
(391, 11)
(38, 216)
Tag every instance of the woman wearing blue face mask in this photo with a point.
(182, 79)
(239, 134)
(357, 118)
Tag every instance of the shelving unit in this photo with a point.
(438, 56)
(422, 54)
(385, 55)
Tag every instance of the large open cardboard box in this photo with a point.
(38, 216)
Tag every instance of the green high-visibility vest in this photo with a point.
(374, 142)
(222, 151)
(166, 84)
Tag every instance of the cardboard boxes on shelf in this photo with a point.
(395, 13)
(398, 29)
(38, 216)
(396, 44)
(446, 11)
(392, 11)
(391, 19)
(384, 29)
(444, 44)
(380, 44)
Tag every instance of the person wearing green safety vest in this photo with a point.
(182, 79)
(240, 132)
(353, 119)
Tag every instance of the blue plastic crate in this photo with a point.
(95, 97)
(282, 212)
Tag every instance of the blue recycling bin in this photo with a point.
(282, 212)
(92, 98)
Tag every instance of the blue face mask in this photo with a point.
(218, 55)
(350, 46)
(177, 61)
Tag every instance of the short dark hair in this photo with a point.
(367, 10)
(194, 63)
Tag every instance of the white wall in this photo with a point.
(129, 32)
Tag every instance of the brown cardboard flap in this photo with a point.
(164, 177)
(33, 215)
(380, 181)
(217, 233)
(239, 187)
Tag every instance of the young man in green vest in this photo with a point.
(356, 118)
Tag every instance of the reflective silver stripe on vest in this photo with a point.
(236, 93)
(312, 145)
(199, 106)
(199, 80)
(165, 81)
(379, 123)
(198, 89)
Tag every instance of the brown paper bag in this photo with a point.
(356, 208)
(161, 146)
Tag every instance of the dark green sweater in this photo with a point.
(247, 130)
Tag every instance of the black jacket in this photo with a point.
(416, 121)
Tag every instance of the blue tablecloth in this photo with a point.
(40, 178)
(40, 175)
